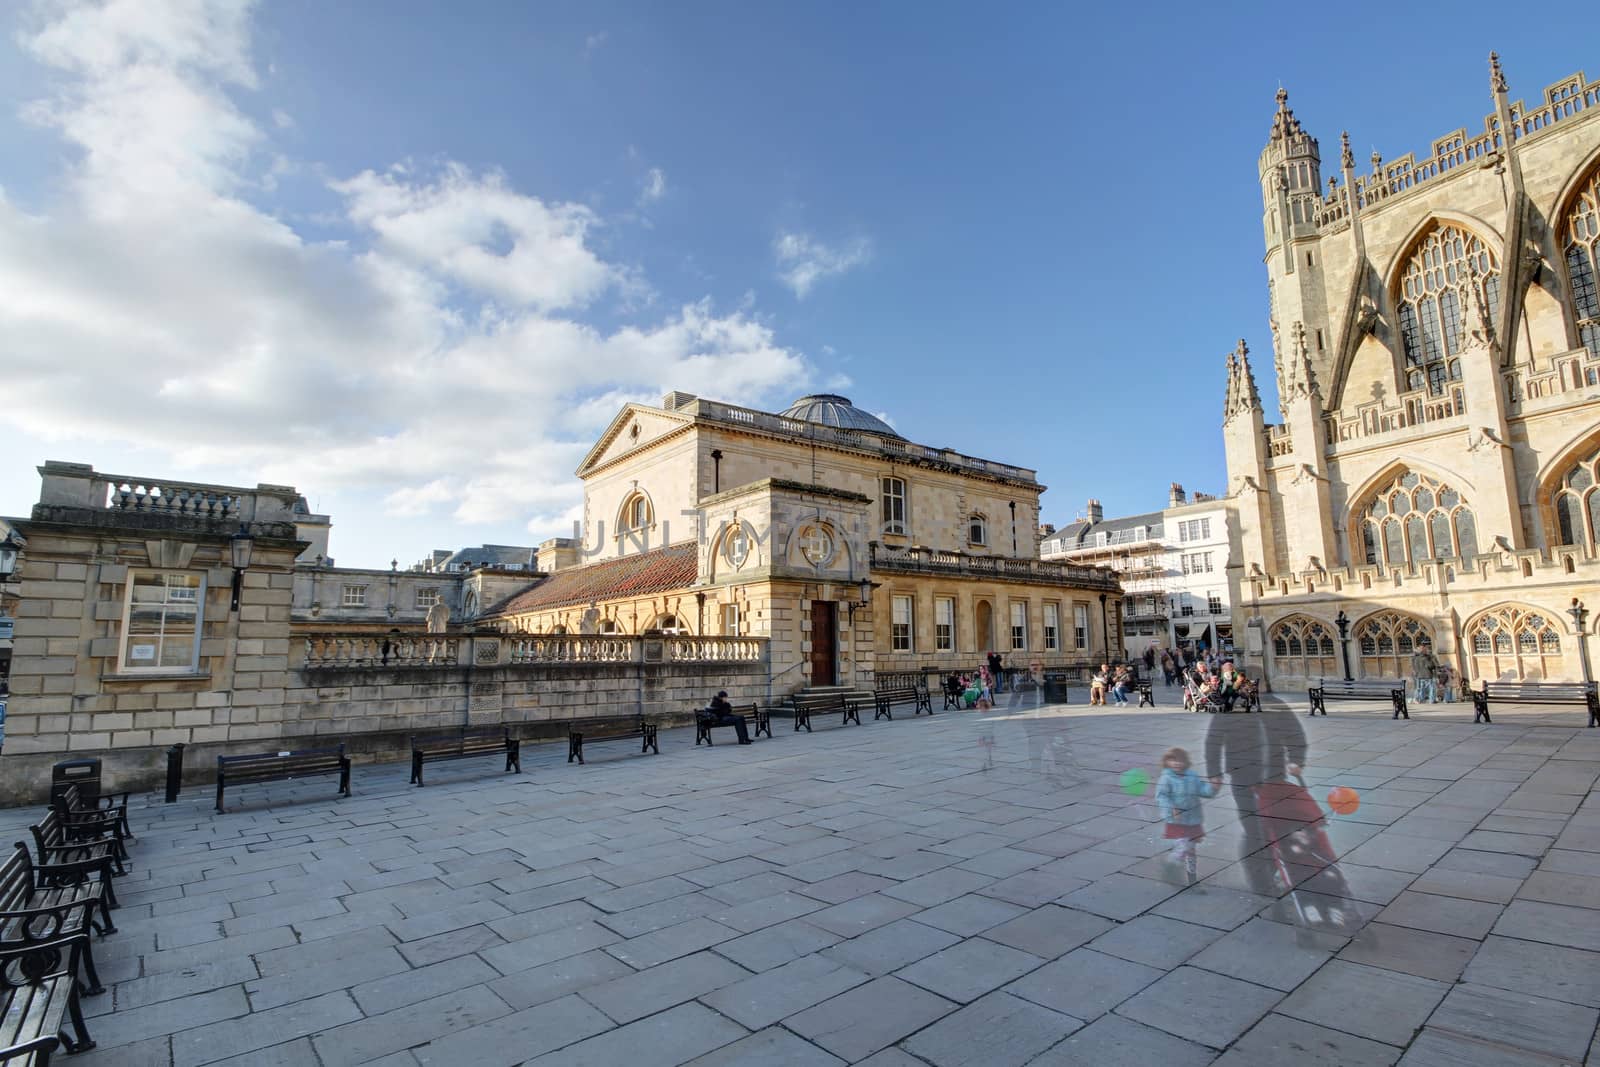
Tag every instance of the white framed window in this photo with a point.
(162, 615)
(730, 620)
(1197, 563)
(738, 545)
(977, 530)
(635, 513)
(900, 624)
(1080, 625)
(1052, 627)
(427, 596)
(944, 624)
(1194, 530)
(1214, 603)
(893, 493)
(354, 596)
(668, 624)
(1019, 626)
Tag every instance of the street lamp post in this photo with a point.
(1342, 621)
(1580, 616)
(1105, 626)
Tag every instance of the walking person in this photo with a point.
(1179, 793)
(1425, 671)
(1266, 749)
(722, 714)
(995, 668)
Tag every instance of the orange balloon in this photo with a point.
(1343, 799)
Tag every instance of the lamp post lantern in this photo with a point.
(241, 547)
(1342, 621)
(1580, 616)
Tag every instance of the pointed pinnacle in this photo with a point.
(1497, 77)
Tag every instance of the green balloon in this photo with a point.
(1135, 782)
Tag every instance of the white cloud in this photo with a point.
(433, 360)
(654, 186)
(803, 260)
(594, 41)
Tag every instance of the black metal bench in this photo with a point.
(1147, 697)
(826, 703)
(1369, 689)
(759, 720)
(82, 822)
(282, 766)
(954, 694)
(1580, 693)
(74, 800)
(54, 846)
(886, 699)
(610, 728)
(33, 912)
(469, 742)
(38, 994)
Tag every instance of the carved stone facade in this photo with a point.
(1435, 336)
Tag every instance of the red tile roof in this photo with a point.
(656, 571)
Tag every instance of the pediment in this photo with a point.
(636, 427)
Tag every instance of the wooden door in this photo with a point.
(824, 634)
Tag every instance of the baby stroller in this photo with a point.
(1305, 867)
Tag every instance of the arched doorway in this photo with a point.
(985, 626)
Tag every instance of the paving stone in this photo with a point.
(171, 985)
(1032, 888)
(424, 983)
(633, 996)
(1552, 887)
(312, 954)
(863, 913)
(1208, 906)
(1278, 1040)
(415, 1024)
(281, 989)
(515, 1038)
(1269, 953)
(1119, 896)
(888, 948)
(762, 1000)
(169, 1016)
(774, 1046)
(998, 1030)
(1155, 941)
(1085, 984)
(1516, 1020)
(669, 943)
(777, 945)
(1551, 971)
(430, 923)
(1208, 1009)
(1442, 915)
(1494, 888)
(1112, 1041)
(969, 915)
(1440, 1048)
(1417, 952)
(151, 1052)
(939, 886)
(1049, 931)
(967, 971)
(674, 1036)
(1517, 844)
(296, 1053)
(1382, 1005)
(545, 948)
(766, 911)
(231, 947)
(858, 1023)
(1503, 864)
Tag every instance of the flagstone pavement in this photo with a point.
(965, 889)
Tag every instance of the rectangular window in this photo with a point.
(944, 624)
(730, 620)
(1052, 627)
(161, 622)
(355, 596)
(428, 596)
(1214, 604)
(977, 531)
(900, 624)
(1080, 625)
(1019, 627)
(894, 505)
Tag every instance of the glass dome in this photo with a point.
(830, 409)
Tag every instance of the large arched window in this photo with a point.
(1304, 648)
(1415, 518)
(1581, 245)
(1514, 643)
(1441, 287)
(635, 513)
(1577, 504)
(668, 624)
(1386, 642)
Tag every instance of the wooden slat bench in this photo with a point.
(1582, 694)
(758, 719)
(469, 742)
(82, 822)
(600, 728)
(805, 704)
(36, 1002)
(885, 700)
(33, 913)
(72, 800)
(1393, 691)
(281, 767)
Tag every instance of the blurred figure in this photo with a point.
(1179, 794)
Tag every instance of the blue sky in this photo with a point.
(411, 257)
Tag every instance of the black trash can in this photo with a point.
(83, 773)
(1055, 689)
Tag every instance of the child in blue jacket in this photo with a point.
(1179, 793)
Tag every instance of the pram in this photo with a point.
(1305, 868)
(1199, 696)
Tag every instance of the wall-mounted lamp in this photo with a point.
(242, 546)
(863, 600)
(8, 557)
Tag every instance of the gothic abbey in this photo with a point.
(1436, 341)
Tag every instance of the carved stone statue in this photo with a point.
(590, 622)
(438, 618)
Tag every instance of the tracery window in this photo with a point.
(1581, 244)
(1304, 648)
(1577, 502)
(1386, 642)
(1449, 274)
(1513, 643)
(1416, 518)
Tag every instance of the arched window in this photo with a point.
(1450, 275)
(1416, 518)
(1386, 642)
(469, 606)
(667, 624)
(736, 545)
(1581, 245)
(977, 530)
(635, 514)
(606, 626)
(1577, 504)
(1304, 648)
(1514, 643)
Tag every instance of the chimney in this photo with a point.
(1046, 529)
(1175, 496)
(677, 399)
(1095, 512)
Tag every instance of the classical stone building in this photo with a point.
(854, 551)
(1435, 332)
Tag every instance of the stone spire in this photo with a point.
(1347, 158)
(1302, 380)
(1249, 396)
(1284, 124)
(1497, 77)
(1230, 391)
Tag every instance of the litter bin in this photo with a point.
(174, 772)
(1055, 689)
(83, 773)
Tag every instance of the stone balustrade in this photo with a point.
(920, 560)
(334, 652)
(323, 652)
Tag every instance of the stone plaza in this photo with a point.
(972, 888)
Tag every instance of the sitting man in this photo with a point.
(721, 713)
